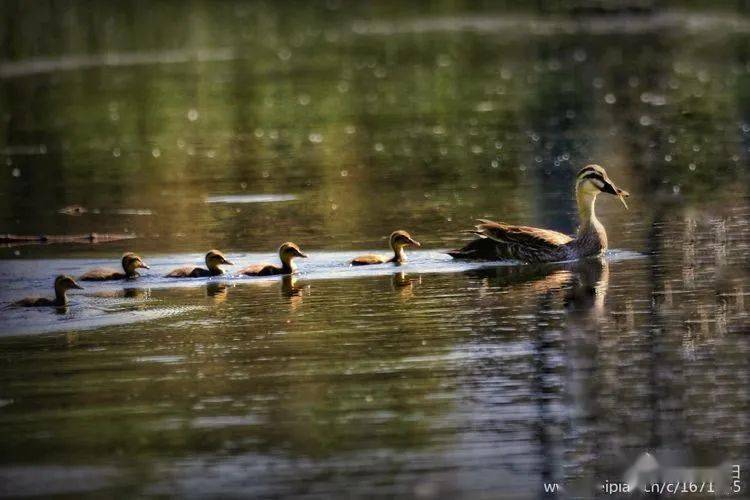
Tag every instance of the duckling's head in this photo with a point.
(289, 250)
(593, 179)
(64, 283)
(400, 239)
(215, 258)
(131, 262)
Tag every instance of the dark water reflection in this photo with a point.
(239, 126)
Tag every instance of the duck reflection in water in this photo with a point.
(583, 283)
(588, 285)
(402, 283)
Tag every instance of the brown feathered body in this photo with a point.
(498, 241)
(264, 270)
(40, 302)
(366, 260)
(193, 272)
(103, 274)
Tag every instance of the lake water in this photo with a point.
(241, 126)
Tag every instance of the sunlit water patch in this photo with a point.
(435, 379)
(250, 198)
(26, 276)
(111, 303)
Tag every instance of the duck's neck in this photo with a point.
(398, 254)
(287, 265)
(215, 270)
(591, 238)
(61, 297)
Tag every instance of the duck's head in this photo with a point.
(215, 258)
(400, 239)
(64, 283)
(593, 179)
(289, 250)
(131, 262)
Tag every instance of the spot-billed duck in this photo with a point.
(499, 241)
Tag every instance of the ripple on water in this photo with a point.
(250, 198)
(160, 359)
(29, 321)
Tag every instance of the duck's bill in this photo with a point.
(415, 243)
(622, 196)
(610, 188)
(227, 263)
(302, 254)
(76, 286)
(144, 266)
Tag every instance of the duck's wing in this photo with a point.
(499, 241)
(365, 260)
(102, 274)
(182, 272)
(530, 237)
(34, 302)
(259, 270)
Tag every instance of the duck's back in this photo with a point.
(365, 260)
(102, 274)
(499, 241)
(34, 302)
(261, 270)
(188, 272)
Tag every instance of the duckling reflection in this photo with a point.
(404, 284)
(292, 291)
(219, 292)
(289, 286)
(127, 293)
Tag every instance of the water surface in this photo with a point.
(240, 126)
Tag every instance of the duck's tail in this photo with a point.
(481, 248)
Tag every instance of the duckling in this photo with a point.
(63, 283)
(214, 259)
(398, 240)
(287, 252)
(533, 245)
(130, 264)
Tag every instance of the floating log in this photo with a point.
(20, 239)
